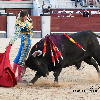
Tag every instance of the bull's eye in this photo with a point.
(39, 63)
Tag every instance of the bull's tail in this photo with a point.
(90, 31)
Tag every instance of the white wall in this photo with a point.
(45, 25)
(10, 26)
(35, 8)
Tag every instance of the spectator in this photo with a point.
(85, 1)
(92, 2)
(95, 2)
(98, 12)
(49, 10)
(70, 15)
(79, 1)
(63, 11)
(85, 14)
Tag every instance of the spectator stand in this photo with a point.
(16, 0)
(17, 11)
(59, 14)
(76, 12)
(62, 3)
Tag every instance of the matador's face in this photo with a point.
(23, 19)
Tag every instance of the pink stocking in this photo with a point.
(19, 73)
(15, 67)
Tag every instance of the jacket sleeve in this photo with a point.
(16, 34)
(46, 11)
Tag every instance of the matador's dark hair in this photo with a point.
(23, 13)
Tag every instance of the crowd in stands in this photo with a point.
(77, 1)
(70, 14)
(87, 2)
(16, 0)
(85, 13)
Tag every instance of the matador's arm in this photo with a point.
(16, 34)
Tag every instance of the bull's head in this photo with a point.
(37, 62)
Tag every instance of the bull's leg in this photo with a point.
(92, 61)
(23, 72)
(96, 53)
(78, 65)
(37, 75)
(56, 74)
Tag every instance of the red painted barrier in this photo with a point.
(3, 22)
(62, 24)
(75, 24)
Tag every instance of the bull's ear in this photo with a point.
(37, 53)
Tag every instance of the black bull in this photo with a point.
(72, 55)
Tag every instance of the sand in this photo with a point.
(83, 84)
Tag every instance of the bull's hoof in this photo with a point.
(23, 72)
(55, 84)
(47, 74)
(29, 83)
(22, 75)
(99, 74)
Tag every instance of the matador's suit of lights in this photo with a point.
(26, 29)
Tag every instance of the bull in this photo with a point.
(72, 55)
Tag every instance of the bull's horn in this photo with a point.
(37, 53)
(34, 54)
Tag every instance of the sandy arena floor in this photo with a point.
(83, 84)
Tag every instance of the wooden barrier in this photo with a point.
(95, 15)
(36, 23)
(62, 24)
(65, 15)
(3, 23)
(17, 11)
(75, 24)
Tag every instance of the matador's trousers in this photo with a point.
(24, 49)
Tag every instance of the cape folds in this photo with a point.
(7, 76)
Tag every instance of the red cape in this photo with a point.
(7, 76)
